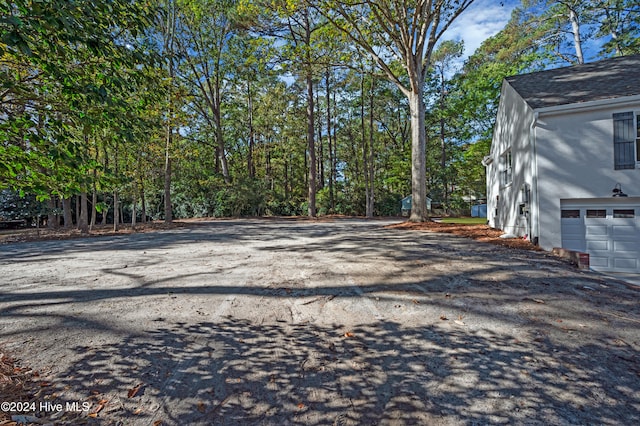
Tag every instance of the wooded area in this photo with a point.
(118, 111)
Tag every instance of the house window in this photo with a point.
(626, 213)
(522, 209)
(625, 137)
(596, 213)
(570, 214)
(507, 167)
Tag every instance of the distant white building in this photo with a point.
(564, 140)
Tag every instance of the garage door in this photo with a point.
(610, 234)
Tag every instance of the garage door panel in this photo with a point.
(572, 228)
(621, 263)
(596, 230)
(625, 231)
(602, 245)
(598, 261)
(620, 247)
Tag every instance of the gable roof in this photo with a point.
(606, 79)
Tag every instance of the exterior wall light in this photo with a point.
(617, 191)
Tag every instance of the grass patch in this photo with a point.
(465, 220)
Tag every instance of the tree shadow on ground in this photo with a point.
(238, 372)
(263, 371)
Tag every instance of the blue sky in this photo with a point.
(483, 19)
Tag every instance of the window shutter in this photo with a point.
(623, 141)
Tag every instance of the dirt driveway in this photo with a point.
(298, 322)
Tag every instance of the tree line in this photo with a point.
(117, 111)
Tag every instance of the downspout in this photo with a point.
(534, 221)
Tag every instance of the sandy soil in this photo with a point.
(312, 322)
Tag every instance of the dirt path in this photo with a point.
(345, 322)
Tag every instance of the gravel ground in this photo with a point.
(281, 322)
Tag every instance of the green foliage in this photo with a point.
(70, 67)
(389, 204)
(16, 206)
(85, 103)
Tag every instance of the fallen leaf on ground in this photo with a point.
(300, 406)
(133, 391)
(99, 408)
(459, 322)
(349, 334)
(443, 318)
(477, 232)
(201, 407)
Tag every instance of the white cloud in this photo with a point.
(483, 19)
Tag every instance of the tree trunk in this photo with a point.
(332, 202)
(77, 197)
(371, 172)
(575, 25)
(168, 47)
(217, 116)
(418, 159)
(365, 150)
(250, 166)
(94, 201)
(267, 165)
(287, 192)
(52, 216)
(168, 211)
(310, 122)
(311, 148)
(320, 169)
(216, 168)
(143, 203)
(116, 211)
(67, 213)
(133, 213)
(443, 164)
(83, 222)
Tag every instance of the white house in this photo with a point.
(564, 139)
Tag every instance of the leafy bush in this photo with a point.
(13, 206)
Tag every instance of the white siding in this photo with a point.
(575, 160)
(511, 132)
